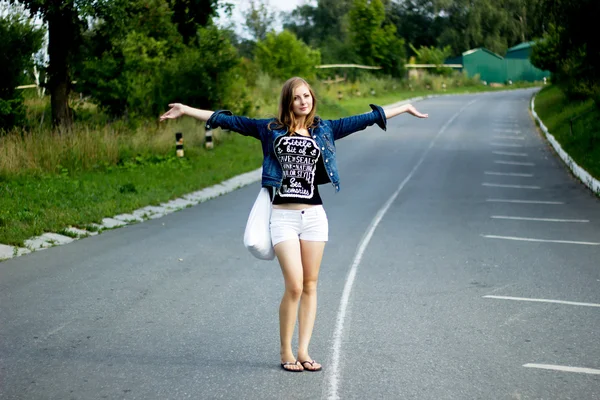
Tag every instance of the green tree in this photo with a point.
(259, 19)
(20, 40)
(374, 41)
(571, 48)
(282, 55)
(324, 26)
(189, 15)
(64, 33)
(124, 55)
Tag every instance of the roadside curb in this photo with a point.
(579, 172)
(48, 240)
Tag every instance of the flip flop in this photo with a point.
(312, 364)
(284, 364)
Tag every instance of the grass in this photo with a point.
(583, 144)
(50, 181)
(33, 204)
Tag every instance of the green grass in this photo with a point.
(583, 144)
(49, 183)
(32, 205)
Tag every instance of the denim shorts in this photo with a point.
(308, 224)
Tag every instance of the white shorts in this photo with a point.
(308, 224)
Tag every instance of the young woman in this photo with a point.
(299, 154)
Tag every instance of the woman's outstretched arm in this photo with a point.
(409, 108)
(178, 109)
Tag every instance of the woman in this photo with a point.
(299, 154)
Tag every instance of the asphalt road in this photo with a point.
(443, 234)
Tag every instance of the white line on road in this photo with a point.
(539, 219)
(522, 239)
(334, 369)
(508, 174)
(526, 164)
(524, 201)
(509, 153)
(570, 303)
(510, 186)
(564, 368)
(509, 137)
(505, 144)
(507, 130)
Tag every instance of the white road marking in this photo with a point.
(509, 153)
(564, 368)
(508, 174)
(507, 130)
(570, 303)
(524, 201)
(333, 377)
(510, 186)
(539, 219)
(527, 164)
(506, 144)
(539, 240)
(509, 137)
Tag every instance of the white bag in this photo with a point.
(257, 236)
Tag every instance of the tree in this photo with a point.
(282, 55)
(20, 40)
(64, 33)
(189, 15)
(374, 41)
(570, 48)
(259, 20)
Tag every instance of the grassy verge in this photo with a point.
(32, 205)
(583, 143)
(49, 182)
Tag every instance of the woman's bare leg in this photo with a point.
(289, 256)
(312, 254)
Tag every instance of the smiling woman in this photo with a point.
(298, 155)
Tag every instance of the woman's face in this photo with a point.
(303, 101)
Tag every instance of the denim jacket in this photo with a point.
(325, 133)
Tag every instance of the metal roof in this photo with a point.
(521, 46)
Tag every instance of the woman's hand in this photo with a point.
(413, 111)
(176, 111)
(406, 108)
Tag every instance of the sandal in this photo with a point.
(284, 364)
(312, 364)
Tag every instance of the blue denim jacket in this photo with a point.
(325, 133)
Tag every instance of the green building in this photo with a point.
(492, 68)
(489, 65)
(518, 66)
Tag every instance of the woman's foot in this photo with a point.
(309, 364)
(292, 366)
(289, 362)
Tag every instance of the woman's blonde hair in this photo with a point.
(286, 117)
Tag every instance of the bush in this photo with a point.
(20, 40)
(283, 56)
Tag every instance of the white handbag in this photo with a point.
(257, 236)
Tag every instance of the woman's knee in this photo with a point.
(294, 290)
(309, 287)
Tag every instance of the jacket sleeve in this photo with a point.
(345, 126)
(226, 120)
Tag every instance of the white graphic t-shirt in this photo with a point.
(298, 156)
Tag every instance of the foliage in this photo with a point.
(433, 55)
(259, 19)
(283, 55)
(375, 42)
(570, 50)
(20, 40)
(208, 82)
(189, 15)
